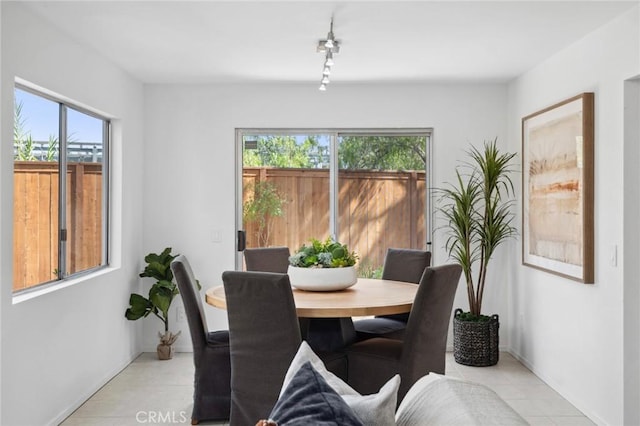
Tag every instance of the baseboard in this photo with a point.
(90, 392)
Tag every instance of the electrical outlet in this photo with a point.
(180, 314)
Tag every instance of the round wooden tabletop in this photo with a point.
(367, 297)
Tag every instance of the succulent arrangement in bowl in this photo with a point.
(323, 254)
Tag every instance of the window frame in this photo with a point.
(334, 134)
(64, 105)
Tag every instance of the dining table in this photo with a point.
(326, 317)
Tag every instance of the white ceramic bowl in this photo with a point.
(322, 279)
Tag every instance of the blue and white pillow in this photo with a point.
(373, 410)
(309, 400)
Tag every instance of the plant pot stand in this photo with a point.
(475, 343)
(164, 351)
(165, 347)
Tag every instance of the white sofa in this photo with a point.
(440, 400)
(312, 395)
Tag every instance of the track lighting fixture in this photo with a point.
(328, 47)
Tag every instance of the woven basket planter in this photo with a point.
(475, 343)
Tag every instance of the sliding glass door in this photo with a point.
(366, 189)
(382, 195)
(285, 189)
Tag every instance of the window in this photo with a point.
(60, 190)
(367, 188)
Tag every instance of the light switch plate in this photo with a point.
(613, 255)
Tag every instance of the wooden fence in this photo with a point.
(377, 210)
(35, 220)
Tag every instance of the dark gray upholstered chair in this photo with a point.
(212, 379)
(264, 336)
(374, 361)
(267, 259)
(400, 265)
(276, 259)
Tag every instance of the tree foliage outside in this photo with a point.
(22, 141)
(382, 153)
(24, 146)
(282, 151)
(354, 153)
(262, 207)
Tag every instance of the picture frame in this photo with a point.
(557, 189)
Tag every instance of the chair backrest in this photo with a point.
(264, 336)
(425, 339)
(405, 264)
(267, 259)
(192, 301)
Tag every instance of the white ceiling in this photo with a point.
(237, 41)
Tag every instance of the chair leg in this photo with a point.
(194, 421)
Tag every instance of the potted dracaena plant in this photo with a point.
(161, 295)
(478, 211)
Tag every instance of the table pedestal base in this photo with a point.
(328, 334)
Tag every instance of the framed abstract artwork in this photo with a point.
(557, 189)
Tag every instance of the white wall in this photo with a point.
(59, 348)
(190, 132)
(571, 334)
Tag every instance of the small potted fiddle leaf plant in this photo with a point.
(158, 302)
(323, 266)
(478, 209)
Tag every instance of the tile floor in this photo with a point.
(523, 390)
(155, 392)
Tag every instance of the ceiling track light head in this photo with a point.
(329, 60)
(322, 46)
